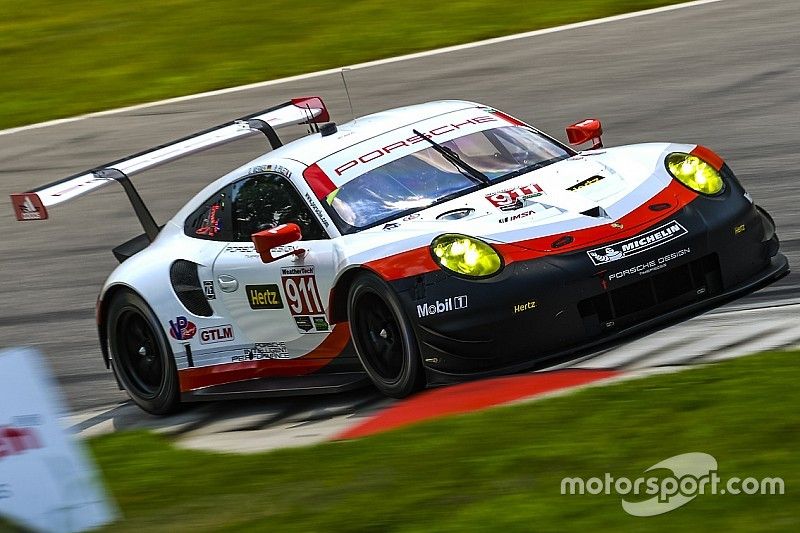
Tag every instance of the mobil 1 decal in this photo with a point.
(303, 299)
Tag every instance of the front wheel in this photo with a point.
(383, 337)
(141, 356)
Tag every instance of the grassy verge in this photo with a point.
(8, 527)
(495, 470)
(61, 58)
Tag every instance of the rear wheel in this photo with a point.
(141, 356)
(383, 337)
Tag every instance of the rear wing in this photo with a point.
(34, 204)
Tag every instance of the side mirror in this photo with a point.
(268, 239)
(585, 131)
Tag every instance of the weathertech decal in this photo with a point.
(651, 266)
(641, 243)
(28, 207)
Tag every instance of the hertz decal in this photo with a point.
(264, 296)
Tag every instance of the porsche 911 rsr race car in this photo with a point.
(418, 245)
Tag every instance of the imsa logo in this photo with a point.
(442, 306)
(641, 243)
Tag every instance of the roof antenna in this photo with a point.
(347, 92)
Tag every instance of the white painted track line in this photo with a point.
(368, 64)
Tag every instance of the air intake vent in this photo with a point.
(183, 275)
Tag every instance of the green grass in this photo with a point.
(62, 58)
(8, 527)
(496, 470)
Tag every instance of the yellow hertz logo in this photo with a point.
(527, 306)
(739, 229)
(264, 297)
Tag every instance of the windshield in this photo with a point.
(425, 177)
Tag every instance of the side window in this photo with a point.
(210, 220)
(265, 201)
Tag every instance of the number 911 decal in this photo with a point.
(302, 297)
(510, 199)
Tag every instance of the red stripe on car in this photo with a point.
(207, 376)
(709, 156)
(419, 261)
(319, 182)
(508, 118)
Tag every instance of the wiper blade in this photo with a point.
(468, 170)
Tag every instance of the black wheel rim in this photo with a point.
(378, 336)
(140, 355)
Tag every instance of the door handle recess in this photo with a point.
(227, 283)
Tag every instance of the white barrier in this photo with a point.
(47, 482)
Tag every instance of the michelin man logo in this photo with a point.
(608, 255)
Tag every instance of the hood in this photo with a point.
(590, 190)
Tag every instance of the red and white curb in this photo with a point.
(252, 426)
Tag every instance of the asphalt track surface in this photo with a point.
(726, 75)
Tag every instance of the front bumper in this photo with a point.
(552, 307)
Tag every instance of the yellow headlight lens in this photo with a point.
(465, 255)
(694, 173)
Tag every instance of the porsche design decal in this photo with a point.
(263, 350)
(651, 266)
(640, 243)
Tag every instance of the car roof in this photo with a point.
(311, 148)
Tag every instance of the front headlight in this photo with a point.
(466, 256)
(694, 173)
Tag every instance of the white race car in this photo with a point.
(418, 245)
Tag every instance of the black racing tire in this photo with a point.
(141, 356)
(384, 338)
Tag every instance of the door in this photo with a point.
(279, 306)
